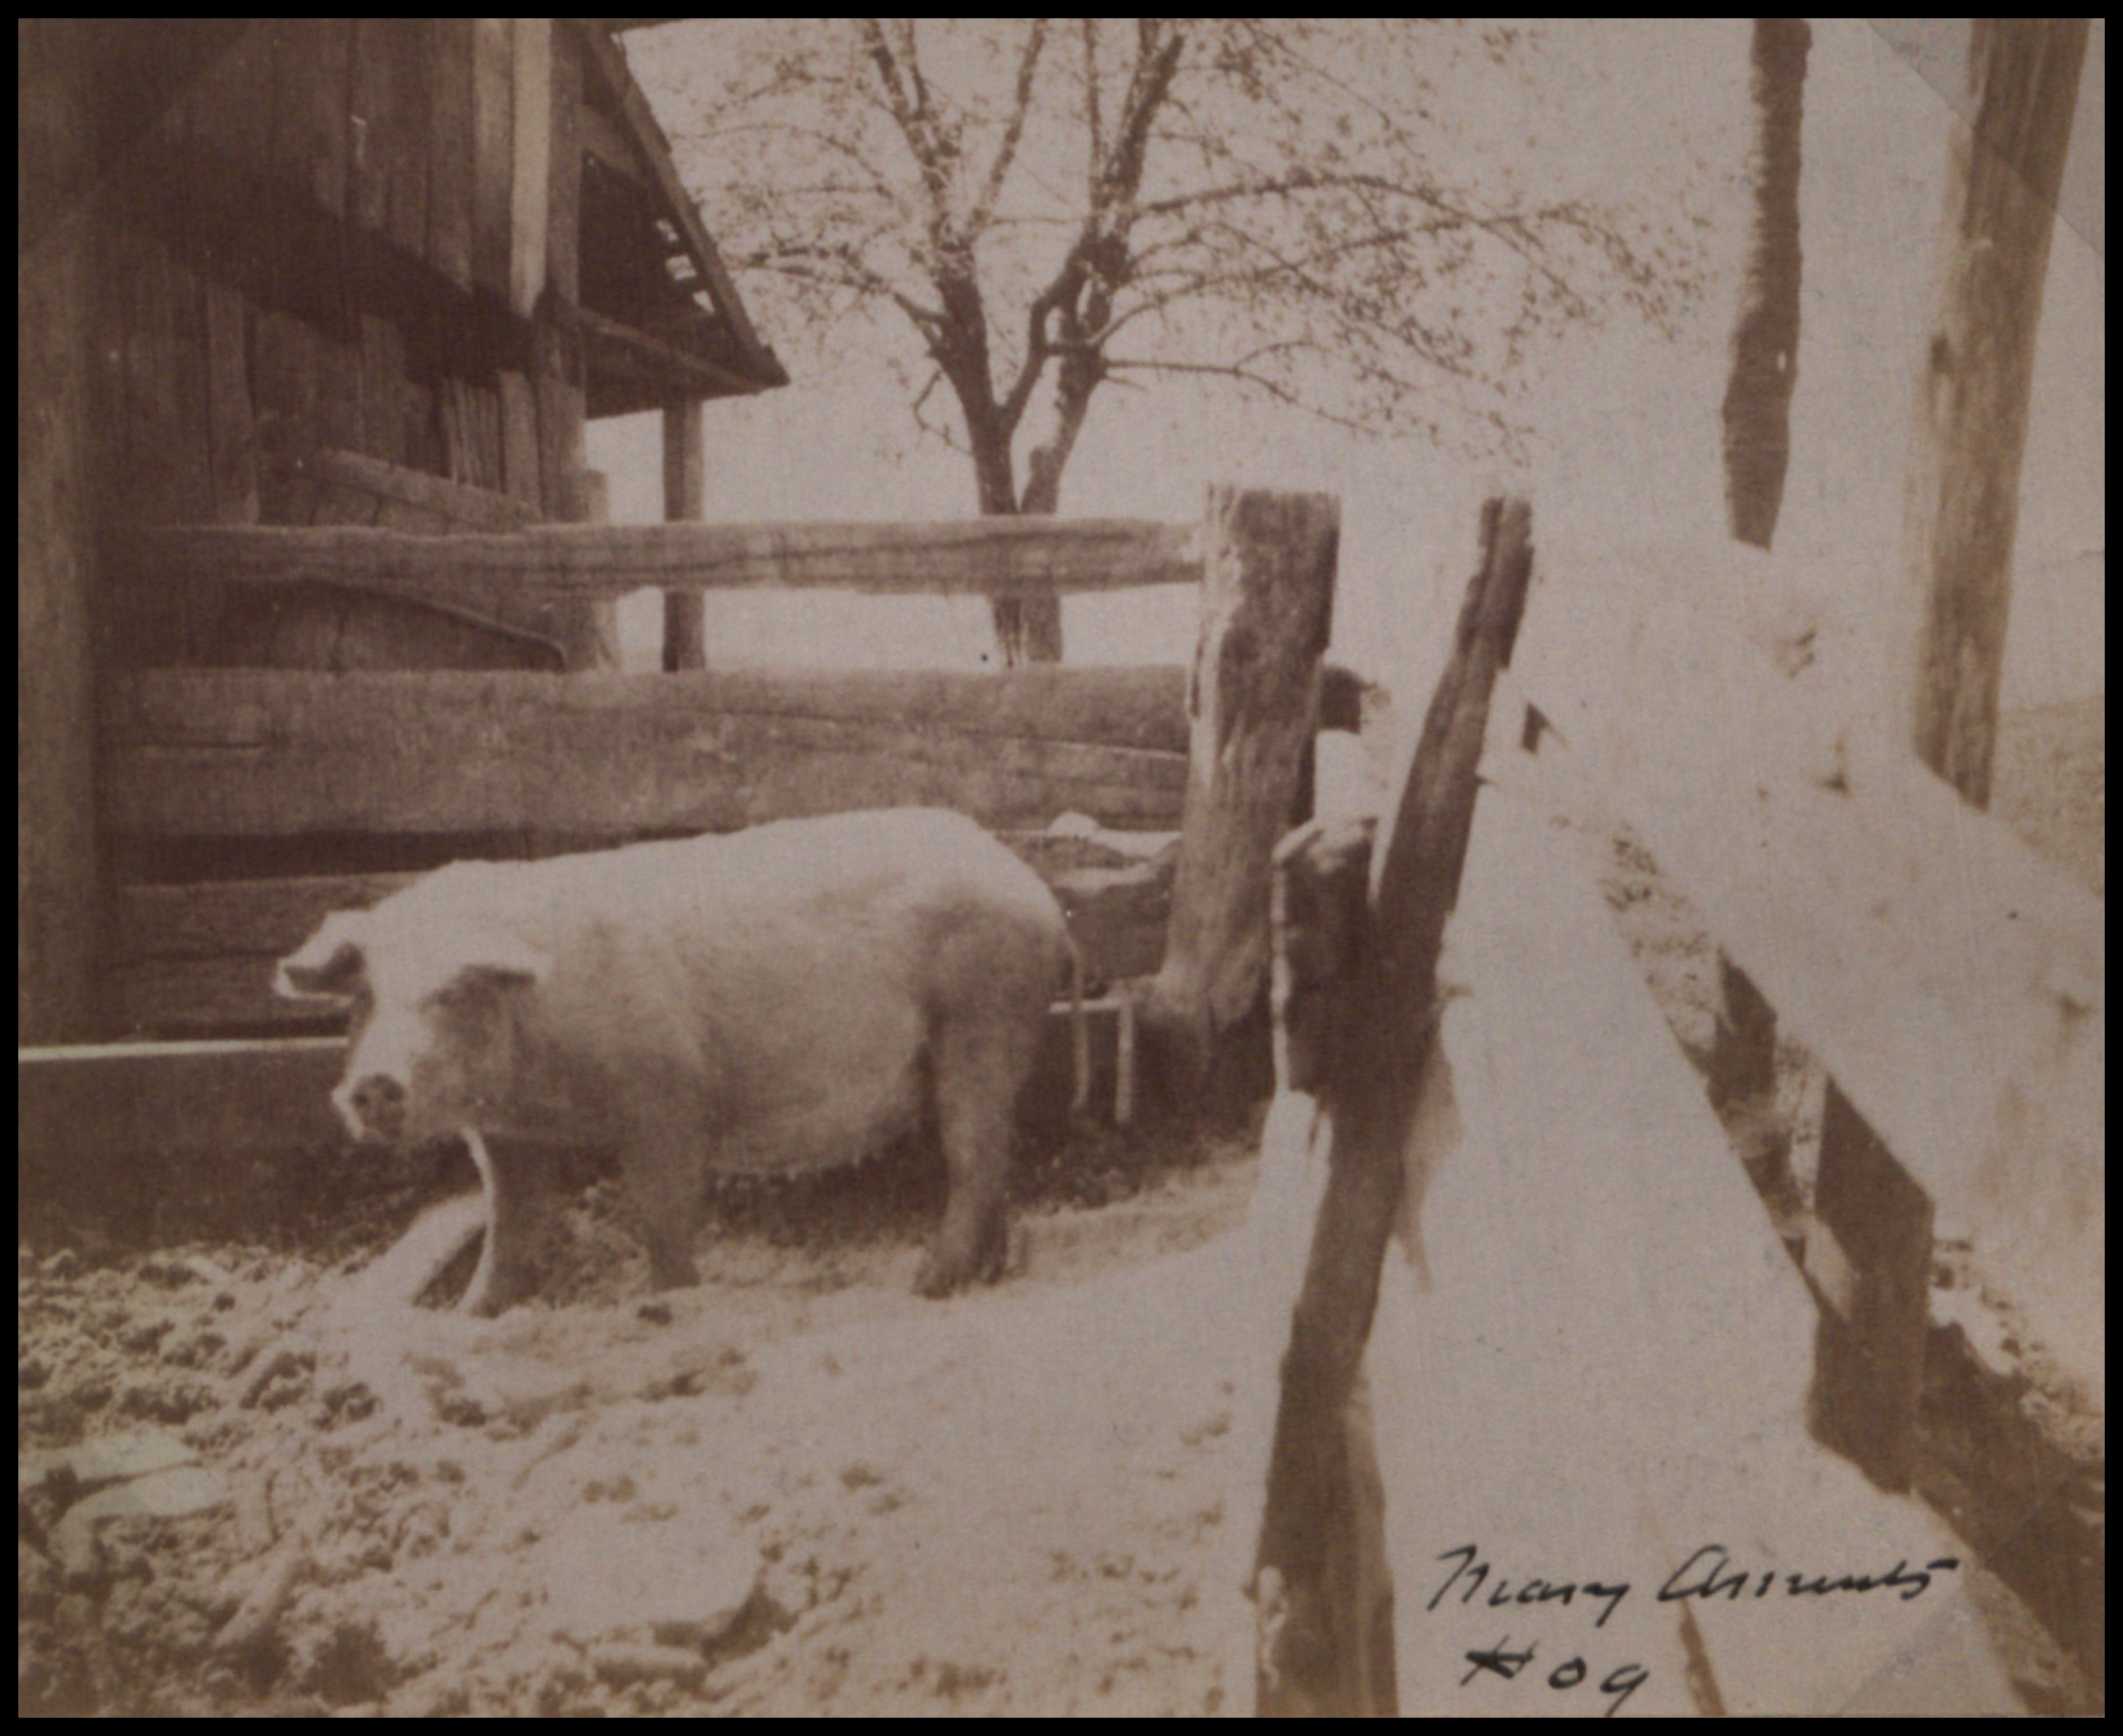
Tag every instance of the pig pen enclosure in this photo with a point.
(253, 1474)
(1482, 1384)
(212, 1133)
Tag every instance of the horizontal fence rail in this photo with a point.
(266, 753)
(1953, 983)
(201, 957)
(989, 557)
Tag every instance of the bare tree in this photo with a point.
(1053, 205)
(1765, 337)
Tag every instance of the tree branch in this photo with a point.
(1013, 130)
(1095, 139)
(895, 71)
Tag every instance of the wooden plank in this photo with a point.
(1868, 1254)
(202, 754)
(492, 166)
(605, 140)
(562, 449)
(199, 957)
(382, 389)
(424, 452)
(232, 439)
(1267, 602)
(953, 557)
(406, 146)
(1309, 1658)
(1952, 983)
(88, 1116)
(103, 1123)
(531, 158)
(519, 411)
(58, 910)
(685, 492)
(451, 433)
(283, 379)
(310, 130)
(451, 150)
(1139, 708)
(564, 217)
(229, 112)
(373, 122)
(489, 465)
(392, 126)
(152, 431)
(454, 507)
(339, 394)
(613, 347)
(267, 918)
(193, 490)
(610, 64)
(1979, 364)
(1539, 1383)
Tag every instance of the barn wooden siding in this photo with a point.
(378, 271)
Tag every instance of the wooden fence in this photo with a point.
(240, 805)
(1533, 1339)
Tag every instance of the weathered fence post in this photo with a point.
(55, 849)
(1320, 1649)
(2003, 178)
(1267, 590)
(1870, 1257)
(685, 483)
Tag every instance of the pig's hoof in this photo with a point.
(483, 1301)
(940, 1273)
(937, 1276)
(489, 1291)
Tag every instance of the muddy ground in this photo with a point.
(243, 1486)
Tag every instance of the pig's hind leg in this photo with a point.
(978, 1068)
(664, 1169)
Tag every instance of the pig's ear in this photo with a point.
(502, 958)
(330, 966)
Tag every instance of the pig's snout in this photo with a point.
(378, 1103)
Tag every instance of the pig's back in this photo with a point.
(783, 981)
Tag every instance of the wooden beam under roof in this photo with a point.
(655, 150)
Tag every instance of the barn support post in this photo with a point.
(685, 486)
(1870, 1259)
(56, 885)
(1253, 699)
(1324, 1640)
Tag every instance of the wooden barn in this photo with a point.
(313, 272)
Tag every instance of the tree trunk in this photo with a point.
(1765, 337)
(1028, 629)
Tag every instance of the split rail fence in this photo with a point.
(239, 805)
(1526, 1334)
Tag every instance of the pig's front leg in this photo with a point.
(513, 1179)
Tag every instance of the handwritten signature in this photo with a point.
(1708, 1573)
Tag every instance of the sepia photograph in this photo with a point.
(1038, 867)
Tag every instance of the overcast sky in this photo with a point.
(1627, 428)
